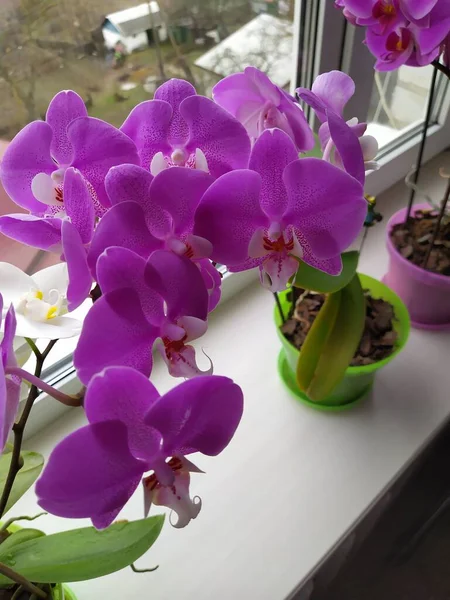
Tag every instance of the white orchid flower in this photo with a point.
(40, 301)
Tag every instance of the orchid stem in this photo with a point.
(18, 430)
(438, 224)
(442, 68)
(19, 579)
(422, 143)
(44, 387)
(280, 310)
(9, 522)
(33, 346)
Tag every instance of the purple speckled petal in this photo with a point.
(62, 110)
(174, 92)
(129, 183)
(272, 152)
(177, 192)
(148, 126)
(213, 281)
(179, 282)
(115, 332)
(27, 155)
(79, 205)
(334, 89)
(33, 231)
(119, 268)
(220, 136)
(98, 146)
(80, 279)
(325, 204)
(229, 214)
(303, 135)
(332, 266)
(122, 394)
(417, 9)
(200, 415)
(348, 146)
(90, 472)
(123, 225)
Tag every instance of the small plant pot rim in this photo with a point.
(426, 294)
(365, 373)
(422, 274)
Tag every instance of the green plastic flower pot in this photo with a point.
(357, 381)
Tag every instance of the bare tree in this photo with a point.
(22, 60)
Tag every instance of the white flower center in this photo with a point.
(39, 306)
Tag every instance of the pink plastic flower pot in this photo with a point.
(426, 294)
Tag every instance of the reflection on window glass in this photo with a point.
(115, 53)
(399, 100)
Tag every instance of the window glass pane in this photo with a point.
(398, 102)
(107, 51)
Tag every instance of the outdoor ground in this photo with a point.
(101, 85)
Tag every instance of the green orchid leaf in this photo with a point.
(18, 537)
(331, 342)
(32, 467)
(82, 554)
(310, 278)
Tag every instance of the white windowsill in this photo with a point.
(294, 482)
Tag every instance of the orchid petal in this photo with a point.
(417, 9)
(53, 329)
(115, 333)
(174, 92)
(348, 146)
(119, 268)
(334, 89)
(80, 279)
(148, 126)
(212, 279)
(44, 190)
(272, 152)
(79, 205)
(175, 496)
(180, 284)
(182, 361)
(325, 204)
(220, 136)
(229, 214)
(98, 146)
(90, 472)
(27, 155)
(14, 283)
(33, 231)
(123, 225)
(129, 183)
(64, 108)
(177, 191)
(199, 415)
(276, 271)
(123, 394)
(55, 277)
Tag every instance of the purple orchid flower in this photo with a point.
(9, 384)
(330, 92)
(156, 213)
(180, 128)
(401, 31)
(259, 105)
(164, 297)
(35, 162)
(132, 430)
(280, 211)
